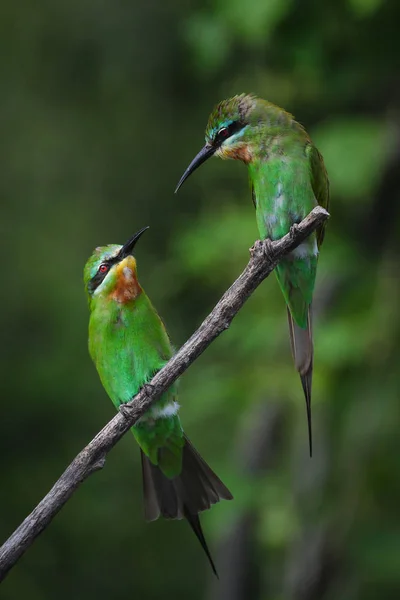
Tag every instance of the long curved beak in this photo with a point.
(198, 160)
(127, 248)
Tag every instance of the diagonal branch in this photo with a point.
(264, 258)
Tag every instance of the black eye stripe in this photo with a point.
(225, 132)
(99, 277)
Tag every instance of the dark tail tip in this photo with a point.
(306, 382)
(194, 523)
(302, 350)
(196, 489)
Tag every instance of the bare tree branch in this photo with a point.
(264, 258)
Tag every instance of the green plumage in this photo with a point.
(129, 344)
(284, 195)
(287, 179)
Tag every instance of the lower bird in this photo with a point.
(287, 179)
(129, 344)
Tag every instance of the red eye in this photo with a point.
(103, 268)
(223, 132)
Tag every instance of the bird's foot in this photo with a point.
(294, 230)
(125, 410)
(147, 389)
(262, 249)
(256, 248)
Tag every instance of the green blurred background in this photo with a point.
(103, 104)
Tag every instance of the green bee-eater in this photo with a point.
(287, 179)
(129, 344)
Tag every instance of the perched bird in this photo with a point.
(287, 179)
(129, 344)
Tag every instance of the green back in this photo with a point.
(288, 179)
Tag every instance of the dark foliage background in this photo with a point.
(103, 104)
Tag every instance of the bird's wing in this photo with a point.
(320, 184)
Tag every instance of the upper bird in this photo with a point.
(287, 179)
(129, 344)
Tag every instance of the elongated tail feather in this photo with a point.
(301, 342)
(196, 489)
(195, 524)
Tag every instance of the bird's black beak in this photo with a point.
(198, 160)
(127, 248)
